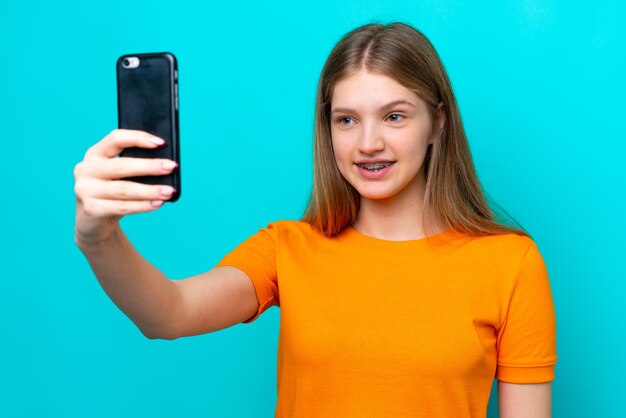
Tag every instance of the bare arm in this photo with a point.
(532, 400)
(138, 288)
(166, 309)
(211, 301)
(161, 308)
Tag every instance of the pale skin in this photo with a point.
(224, 296)
(364, 128)
(161, 308)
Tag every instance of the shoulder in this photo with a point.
(286, 229)
(507, 248)
(511, 259)
(289, 225)
(505, 242)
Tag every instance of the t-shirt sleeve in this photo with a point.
(256, 256)
(526, 340)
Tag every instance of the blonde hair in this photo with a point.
(453, 192)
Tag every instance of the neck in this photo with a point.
(397, 218)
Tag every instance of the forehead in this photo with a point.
(370, 89)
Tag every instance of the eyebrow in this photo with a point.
(380, 109)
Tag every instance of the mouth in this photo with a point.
(375, 166)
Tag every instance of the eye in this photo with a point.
(342, 119)
(397, 117)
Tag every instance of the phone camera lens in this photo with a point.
(126, 62)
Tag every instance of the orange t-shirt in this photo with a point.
(419, 328)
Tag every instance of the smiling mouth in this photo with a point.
(375, 166)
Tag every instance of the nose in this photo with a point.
(370, 139)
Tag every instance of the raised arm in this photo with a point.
(211, 301)
(161, 308)
(166, 309)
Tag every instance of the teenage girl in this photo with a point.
(401, 295)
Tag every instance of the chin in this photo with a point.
(376, 194)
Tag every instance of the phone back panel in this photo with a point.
(148, 101)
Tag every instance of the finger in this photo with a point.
(101, 208)
(130, 190)
(119, 139)
(117, 168)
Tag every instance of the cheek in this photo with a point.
(340, 149)
(343, 158)
(413, 140)
(420, 127)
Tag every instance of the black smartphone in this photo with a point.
(147, 100)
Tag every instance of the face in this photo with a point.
(380, 132)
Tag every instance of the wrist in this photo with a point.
(87, 242)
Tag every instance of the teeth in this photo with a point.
(375, 166)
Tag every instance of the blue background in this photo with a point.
(540, 86)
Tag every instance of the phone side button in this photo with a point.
(176, 95)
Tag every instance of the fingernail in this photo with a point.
(166, 191)
(168, 165)
(156, 203)
(156, 140)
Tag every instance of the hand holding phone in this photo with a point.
(102, 198)
(147, 87)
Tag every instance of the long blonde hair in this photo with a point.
(453, 192)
